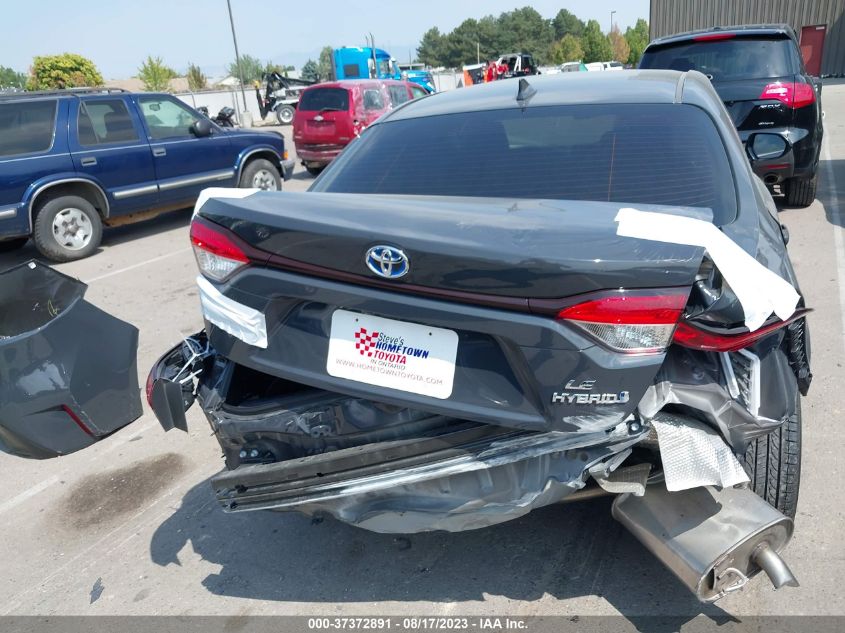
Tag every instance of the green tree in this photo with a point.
(637, 38)
(431, 50)
(621, 49)
(567, 49)
(595, 44)
(462, 45)
(567, 23)
(310, 71)
(251, 67)
(68, 70)
(155, 74)
(282, 69)
(324, 64)
(525, 30)
(196, 79)
(10, 78)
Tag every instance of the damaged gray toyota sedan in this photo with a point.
(509, 296)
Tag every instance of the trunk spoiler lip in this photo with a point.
(539, 306)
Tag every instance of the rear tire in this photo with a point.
(285, 114)
(67, 228)
(800, 192)
(315, 171)
(8, 246)
(773, 463)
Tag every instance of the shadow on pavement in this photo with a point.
(111, 236)
(827, 192)
(564, 550)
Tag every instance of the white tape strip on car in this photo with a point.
(221, 192)
(759, 290)
(239, 320)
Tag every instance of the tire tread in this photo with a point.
(800, 192)
(773, 464)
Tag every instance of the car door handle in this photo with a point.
(159, 151)
(88, 161)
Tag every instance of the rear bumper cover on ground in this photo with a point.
(68, 374)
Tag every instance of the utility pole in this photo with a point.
(237, 55)
(478, 52)
(611, 20)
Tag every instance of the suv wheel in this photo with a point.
(285, 114)
(261, 174)
(773, 463)
(8, 246)
(800, 192)
(67, 228)
(315, 170)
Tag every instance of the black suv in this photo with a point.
(759, 73)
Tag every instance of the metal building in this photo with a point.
(818, 23)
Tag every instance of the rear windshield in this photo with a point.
(318, 99)
(26, 127)
(738, 58)
(631, 153)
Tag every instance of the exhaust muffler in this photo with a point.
(714, 541)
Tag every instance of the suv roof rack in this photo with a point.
(59, 93)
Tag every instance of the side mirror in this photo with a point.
(201, 127)
(766, 146)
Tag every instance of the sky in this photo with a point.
(119, 34)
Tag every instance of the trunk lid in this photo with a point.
(749, 111)
(521, 249)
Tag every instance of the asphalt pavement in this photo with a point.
(130, 526)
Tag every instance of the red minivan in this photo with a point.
(330, 115)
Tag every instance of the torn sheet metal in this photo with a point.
(221, 192)
(247, 324)
(485, 485)
(695, 455)
(759, 290)
(695, 380)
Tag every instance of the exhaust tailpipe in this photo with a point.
(714, 541)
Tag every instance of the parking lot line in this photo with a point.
(28, 493)
(838, 240)
(134, 266)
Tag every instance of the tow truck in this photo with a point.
(281, 95)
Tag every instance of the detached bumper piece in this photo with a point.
(68, 375)
(469, 477)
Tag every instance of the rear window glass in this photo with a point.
(318, 99)
(26, 127)
(737, 58)
(650, 154)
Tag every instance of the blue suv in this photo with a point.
(72, 161)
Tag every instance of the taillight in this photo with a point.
(694, 337)
(791, 94)
(149, 388)
(633, 323)
(217, 255)
(710, 37)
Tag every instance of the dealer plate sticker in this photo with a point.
(395, 354)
